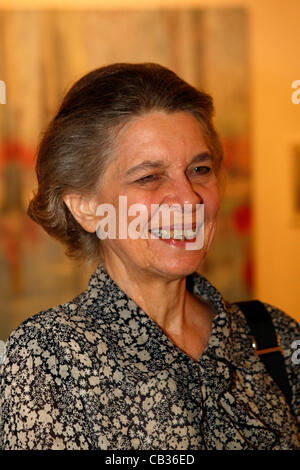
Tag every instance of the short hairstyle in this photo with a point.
(78, 144)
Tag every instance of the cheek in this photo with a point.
(139, 207)
(132, 216)
(212, 204)
(217, 203)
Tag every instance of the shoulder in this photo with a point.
(46, 359)
(287, 327)
(44, 328)
(288, 330)
(59, 335)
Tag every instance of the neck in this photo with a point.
(161, 298)
(166, 301)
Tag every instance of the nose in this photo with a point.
(182, 192)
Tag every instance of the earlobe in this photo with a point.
(83, 210)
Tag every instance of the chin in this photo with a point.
(177, 267)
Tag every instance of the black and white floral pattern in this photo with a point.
(98, 373)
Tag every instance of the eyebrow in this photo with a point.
(202, 157)
(148, 164)
(161, 164)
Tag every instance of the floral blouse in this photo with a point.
(98, 373)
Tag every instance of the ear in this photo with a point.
(83, 210)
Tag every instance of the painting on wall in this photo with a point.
(42, 54)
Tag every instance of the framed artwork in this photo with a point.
(42, 54)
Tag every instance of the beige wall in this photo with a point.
(275, 127)
(275, 63)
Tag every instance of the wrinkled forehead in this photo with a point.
(169, 139)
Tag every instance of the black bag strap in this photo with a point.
(266, 343)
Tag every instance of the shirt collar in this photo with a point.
(105, 296)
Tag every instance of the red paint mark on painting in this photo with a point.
(242, 219)
(16, 151)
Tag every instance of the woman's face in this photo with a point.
(160, 159)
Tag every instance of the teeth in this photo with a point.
(156, 232)
(189, 234)
(164, 234)
(176, 234)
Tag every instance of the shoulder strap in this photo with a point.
(266, 343)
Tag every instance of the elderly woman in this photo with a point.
(138, 361)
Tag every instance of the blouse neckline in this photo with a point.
(120, 310)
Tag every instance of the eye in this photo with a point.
(147, 179)
(200, 170)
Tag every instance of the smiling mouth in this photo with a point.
(175, 234)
